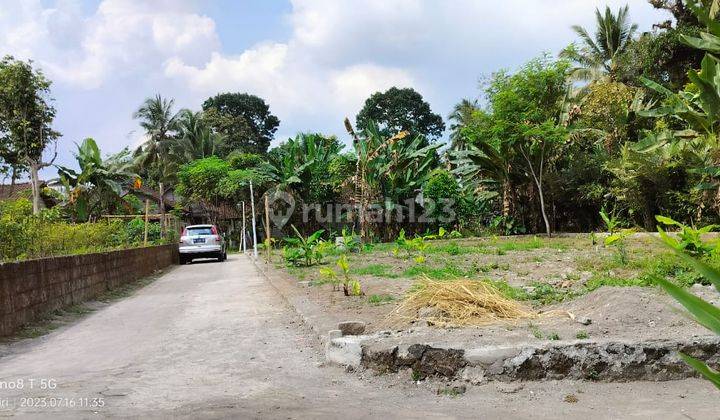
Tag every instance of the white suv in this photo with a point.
(201, 241)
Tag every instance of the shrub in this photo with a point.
(443, 189)
(304, 250)
(23, 235)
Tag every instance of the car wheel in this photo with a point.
(182, 261)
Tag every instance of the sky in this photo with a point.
(313, 61)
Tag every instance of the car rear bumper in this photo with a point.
(200, 249)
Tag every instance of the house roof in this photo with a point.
(13, 192)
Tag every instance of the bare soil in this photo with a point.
(566, 263)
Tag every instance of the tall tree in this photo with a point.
(195, 138)
(160, 122)
(244, 120)
(26, 116)
(397, 110)
(97, 187)
(461, 117)
(597, 55)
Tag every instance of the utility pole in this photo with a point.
(252, 206)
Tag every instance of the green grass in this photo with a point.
(536, 332)
(451, 248)
(520, 245)
(582, 335)
(380, 299)
(439, 273)
(377, 270)
(553, 336)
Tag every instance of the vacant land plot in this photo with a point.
(576, 287)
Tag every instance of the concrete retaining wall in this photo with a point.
(31, 288)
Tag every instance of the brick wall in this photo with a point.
(31, 288)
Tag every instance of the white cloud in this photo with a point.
(336, 54)
(123, 37)
(352, 85)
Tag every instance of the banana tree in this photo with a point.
(98, 184)
(388, 168)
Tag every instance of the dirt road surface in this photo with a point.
(213, 340)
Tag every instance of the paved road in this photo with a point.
(214, 340)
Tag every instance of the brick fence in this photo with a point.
(31, 288)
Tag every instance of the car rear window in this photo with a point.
(199, 231)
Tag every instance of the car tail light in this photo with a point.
(183, 234)
(215, 232)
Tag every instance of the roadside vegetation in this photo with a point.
(615, 135)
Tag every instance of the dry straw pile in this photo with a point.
(459, 303)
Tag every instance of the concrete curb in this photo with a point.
(655, 360)
(652, 360)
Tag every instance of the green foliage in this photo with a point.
(612, 223)
(599, 52)
(397, 110)
(300, 166)
(26, 113)
(244, 120)
(377, 270)
(703, 312)
(690, 239)
(199, 180)
(443, 189)
(24, 235)
(98, 186)
(351, 286)
(506, 225)
(135, 231)
(241, 160)
(350, 241)
(380, 299)
(304, 250)
(582, 335)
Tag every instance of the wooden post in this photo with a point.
(162, 210)
(147, 210)
(252, 205)
(268, 235)
(242, 240)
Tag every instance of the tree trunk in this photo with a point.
(506, 191)
(542, 209)
(13, 177)
(35, 184)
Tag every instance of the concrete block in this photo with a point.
(344, 351)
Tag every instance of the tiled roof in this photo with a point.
(12, 192)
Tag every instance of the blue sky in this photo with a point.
(313, 61)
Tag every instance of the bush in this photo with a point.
(24, 235)
(135, 231)
(442, 188)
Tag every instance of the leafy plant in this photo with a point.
(350, 241)
(307, 250)
(616, 237)
(612, 223)
(351, 286)
(703, 312)
(690, 238)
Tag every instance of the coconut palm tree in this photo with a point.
(597, 55)
(195, 138)
(461, 116)
(156, 116)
